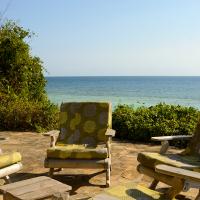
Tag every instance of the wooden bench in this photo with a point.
(36, 188)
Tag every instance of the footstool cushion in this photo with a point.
(129, 191)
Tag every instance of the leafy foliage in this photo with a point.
(23, 101)
(140, 124)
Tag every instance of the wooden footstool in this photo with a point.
(36, 188)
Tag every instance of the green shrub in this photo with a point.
(24, 115)
(140, 124)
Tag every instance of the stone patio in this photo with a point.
(33, 147)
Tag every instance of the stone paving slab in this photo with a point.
(85, 183)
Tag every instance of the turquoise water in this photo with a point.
(131, 90)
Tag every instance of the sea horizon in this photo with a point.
(132, 90)
(120, 76)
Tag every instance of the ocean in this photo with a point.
(132, 90)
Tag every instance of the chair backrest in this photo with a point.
(84, 122)
(193, 147)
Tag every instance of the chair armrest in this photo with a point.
(110, 132)
(165, 141)
(176, 137)
(52, 134)
(178, 172)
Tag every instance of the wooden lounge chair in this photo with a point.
(84, 139)
(134, 191)
(9, 163)
(189, 159)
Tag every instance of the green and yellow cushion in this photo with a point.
(150, 160)
(129, 191)
(77, 152)
(84, 122)
(9, 159)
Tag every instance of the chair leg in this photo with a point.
(198, 196)
(58, 170)
(110, 168)
(51, 171)
(108, 177)
(59, 196)
(7, 179)
(175, 190)
(154, 184)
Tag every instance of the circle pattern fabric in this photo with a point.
(84, 122)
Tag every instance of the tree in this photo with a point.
(20, 73)
(21, 77)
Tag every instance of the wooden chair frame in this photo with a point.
(53, 163)
(179, 179)
(182, 180)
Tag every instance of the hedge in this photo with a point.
(20, 114)
(140, 124)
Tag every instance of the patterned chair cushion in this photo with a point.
(9, 159)
(129, 191)
(84, 123)
(77, 152)
(152, 159)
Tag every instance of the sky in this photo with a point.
(112, 37)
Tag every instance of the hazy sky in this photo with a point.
(112, 37)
